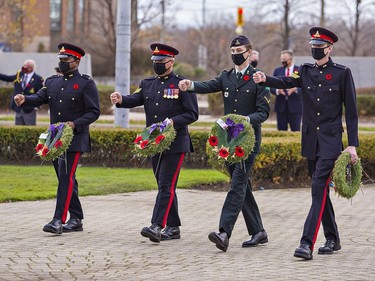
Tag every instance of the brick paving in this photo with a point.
(111, 247)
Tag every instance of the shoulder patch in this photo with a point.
(294, 75)
(339, 66)
(307, 64)
(86, 76)
(137, 90)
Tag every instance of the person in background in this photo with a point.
(26, 82)
(243, 97)
(73, 99)
(254, 58)
(164, 102)
(288, 102)
(326, 87)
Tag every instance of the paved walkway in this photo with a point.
(111, 247)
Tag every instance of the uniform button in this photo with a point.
(317, 128)
(321, 71)
(318, 99)
(66, 79)
(59, 113)
(235, 110)
(237, 90)
(162, 82)
(320, 85)
(318, 113)
(235, 100)
(155, 116)
(49, 97)
(330, 89)
(72, 98)
(158, 92)
(226, 88)
(247, 91)
(60, 100)
(62, 89)
(308, 87)
(157, 103)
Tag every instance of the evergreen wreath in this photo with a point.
(231, 139)
(154, 139)
(53, 142)
(346, 177)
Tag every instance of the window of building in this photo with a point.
(70, 19)
(55, 15)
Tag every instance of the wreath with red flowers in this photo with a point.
(155, 139)
(53, 142)
(231, 139)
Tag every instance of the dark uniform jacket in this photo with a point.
(162, 99)
(34, 85)
(324, 90)
(294, 101)
(72, 97)
(244, 97)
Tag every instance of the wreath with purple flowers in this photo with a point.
(231, 139)
(53, 142)
(154, 139)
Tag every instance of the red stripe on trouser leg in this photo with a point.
(70, 187)
(172, 189)
(320, 213)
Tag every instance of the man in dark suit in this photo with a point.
(163, 101)
(288, 102)
(73, 99)
(326, 87)
(26, 82)
(241, 96)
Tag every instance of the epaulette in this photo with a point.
(54, 76)
(339, 66)
(88, 77)
(308, 64)
(179, 77)
(151, 78)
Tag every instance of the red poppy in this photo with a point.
(75, 86)
(246, 77)
(328, 76)
(213, 141)
(223, 153)
(239, 151)
(28, 85)
(171, 86)
(58, 143)
(159, 139)
(45, 151)
(39, 147)
(138, 139)
(144, 144)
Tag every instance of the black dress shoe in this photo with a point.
(73, 225)
(259, 238)
(220, 239)
(170, 232)
(304, 252)
(329, 247)
(54, 226)
(153, 232)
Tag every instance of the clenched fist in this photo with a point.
(184, 84)
(116, 98)
(259, 77)
(19, 99)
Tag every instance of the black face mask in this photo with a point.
(64, 66)
(24, 69)
(254, 63)
(318, 53)
(159, 67)
(238, 59)
(284, 63)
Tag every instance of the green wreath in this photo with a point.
(154, 139)
(231, 139)
(53, 142)
(346, 177)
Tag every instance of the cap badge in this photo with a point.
(62, 50)
(237, 42)
(156, 50)
(317, 34)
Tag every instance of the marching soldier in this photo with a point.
(73, 99)
(326, 86)
(162, 100)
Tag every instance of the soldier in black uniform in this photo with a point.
(181, 109)
(73, 99)
(326, 86)
(241, 96)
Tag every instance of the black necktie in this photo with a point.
(239, 76)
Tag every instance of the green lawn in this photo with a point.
(20, 183)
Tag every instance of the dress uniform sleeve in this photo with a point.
(37, 99)
(262, 106)
(8, 78)
(133, 100)
(91, 107)
(211, 86)
(282, 82)
(190, 115)
(350, 103)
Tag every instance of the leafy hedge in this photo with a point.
(279, 162)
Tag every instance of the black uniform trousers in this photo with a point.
(166, 170)
(240, 197)
(67, 190)
(285, 118)
(321, 210)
